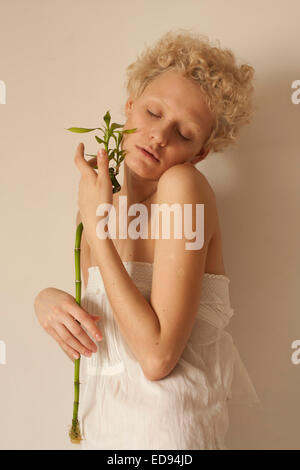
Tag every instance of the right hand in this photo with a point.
(57, 312)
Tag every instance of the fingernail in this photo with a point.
(98, 337)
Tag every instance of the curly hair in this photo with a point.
(227, 87)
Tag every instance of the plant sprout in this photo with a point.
(117, 156)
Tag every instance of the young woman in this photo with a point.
(162, 376)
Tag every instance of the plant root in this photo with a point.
(75, 433)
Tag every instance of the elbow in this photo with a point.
(158, 370)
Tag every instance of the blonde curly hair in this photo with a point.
(227, 87)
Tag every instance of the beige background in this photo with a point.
(63, 63)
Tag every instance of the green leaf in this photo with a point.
(111, 154)
(120, 136)
(81, 129)
(129, 131)
(107, 118)
(115, 126)
(100, 141)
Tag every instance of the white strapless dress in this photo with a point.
(119, 408)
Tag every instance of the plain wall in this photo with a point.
(63, 63)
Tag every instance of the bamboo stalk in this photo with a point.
(75, 433)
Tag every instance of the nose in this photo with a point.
(160, 133)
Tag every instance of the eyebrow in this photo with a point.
(183, 120)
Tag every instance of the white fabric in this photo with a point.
(121, 409)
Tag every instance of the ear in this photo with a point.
(128, 106)
(200, 156)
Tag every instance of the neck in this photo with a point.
(137, 189)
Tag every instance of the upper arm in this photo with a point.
(177, 269)
(84, 253)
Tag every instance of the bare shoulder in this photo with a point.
(184, 184)
(186, 176)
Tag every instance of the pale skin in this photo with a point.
(182, 112)
(156, 331)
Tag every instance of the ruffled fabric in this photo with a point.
(121, 409)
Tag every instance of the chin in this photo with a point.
(136, 161)
(140, 169)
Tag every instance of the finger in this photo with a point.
(67, 337)
(92, 162)
(71, 353)
(103, 165)
(81, 163)
(95, 317)
(85, 319)
(78, 332)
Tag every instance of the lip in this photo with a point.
(147, 154)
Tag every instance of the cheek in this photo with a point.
(131, 122)
(129, 140)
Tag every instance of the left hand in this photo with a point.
(94, 189)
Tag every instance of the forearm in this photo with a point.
(135, 317)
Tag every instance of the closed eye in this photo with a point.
(151, 114)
